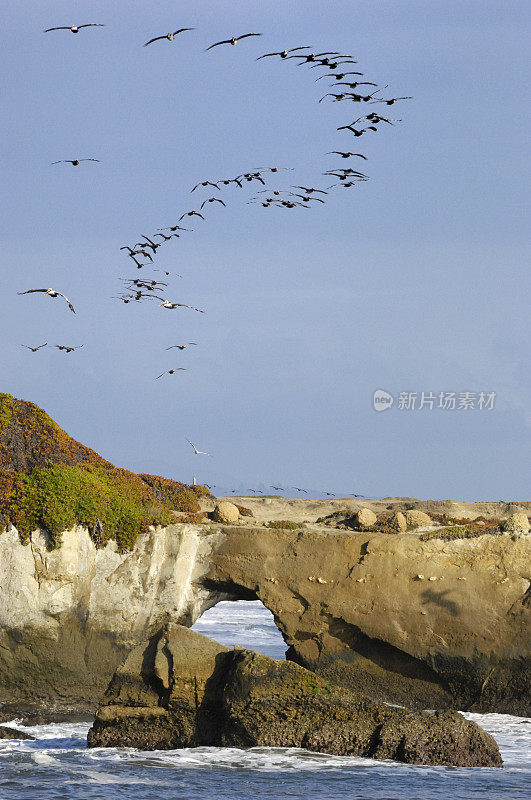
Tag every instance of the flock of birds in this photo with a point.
(347, 85)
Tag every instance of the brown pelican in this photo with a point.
(34, 349)
(346, 155)
(51, 293)
(67, 348)
(74, 161)
(213, 200)
(76, 28)
(392, 100)
(191, 214)
(169, 36)
(284, 53)
(170, 372)
(205, 183)
(233, 40)
(171, 306)
(180, 346)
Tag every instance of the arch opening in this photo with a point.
(247, 623)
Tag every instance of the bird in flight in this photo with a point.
(284, 53)
(346, 155)
(76, 28)
(191, 214)
(169, 36)
(51, 293)
(309, 189)
(233, 40)
(205, 183)
(171, 306)
(74, 161)
(277, 488)
(213, 200)
(169, 372)
(67, 348)
(313, 56)
(180, 346)
(391, 100)
(329, 494)
(300, 490)
(34, 349)
(198, 452)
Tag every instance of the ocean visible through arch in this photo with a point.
(58, 766)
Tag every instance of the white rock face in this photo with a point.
(65, 608)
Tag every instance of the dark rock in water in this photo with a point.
(12, 733)
(185, 690)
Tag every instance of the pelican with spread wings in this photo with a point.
(51, 293)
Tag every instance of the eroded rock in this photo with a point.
(226, 512)
(365, 518)
(398, 522)
(211, 696)
(417, 519)
(517, 522)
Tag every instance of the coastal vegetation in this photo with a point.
(50, 481)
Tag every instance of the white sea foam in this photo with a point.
(59, 758)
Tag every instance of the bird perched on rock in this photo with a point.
(51, 293)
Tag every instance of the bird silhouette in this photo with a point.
(170, 372)
(75, 28)
(34, 349)
(74, 161)
(169, 36)
(233, 40)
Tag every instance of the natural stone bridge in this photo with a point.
(430, 624)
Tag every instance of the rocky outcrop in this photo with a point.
(181, 689)
(365, 518)
(397, 522)
(517, 522)
(417, 519)
(13, 733)
(427, 624)
(226, 512)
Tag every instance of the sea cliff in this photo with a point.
(434, 624)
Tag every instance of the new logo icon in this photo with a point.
(382, 400)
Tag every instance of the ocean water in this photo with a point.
(57, 765)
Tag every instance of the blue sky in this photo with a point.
(414, 281)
